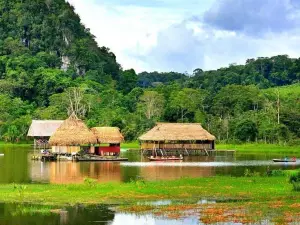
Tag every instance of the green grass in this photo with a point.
(20, 144)
(243, 188)
(249, 147)
(131, 145)
(257, 147)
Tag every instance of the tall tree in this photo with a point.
(152, 104)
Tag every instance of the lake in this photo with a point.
(12, 214)
(16, 166)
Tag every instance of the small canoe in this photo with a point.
(284, 160)
(165, 158)
(1, 154)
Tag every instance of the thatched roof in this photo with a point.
(43, 128)
(72, 132)
(110, 135)
(177, 132)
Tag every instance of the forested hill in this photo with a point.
(48, 58)
(38, 38)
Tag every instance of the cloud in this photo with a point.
(172, 35)
(253, 17)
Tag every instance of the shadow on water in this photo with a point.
(12, 214)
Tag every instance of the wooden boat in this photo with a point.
(284, 160)
(165, 158)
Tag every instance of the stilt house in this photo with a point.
(71, 135)
(111, 137)
(42, 130)
(177, 137)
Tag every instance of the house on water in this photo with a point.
(71, 135)
(177, 138)
(109, 140)
(42, 130)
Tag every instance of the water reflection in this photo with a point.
(16, 166)
(12, 214)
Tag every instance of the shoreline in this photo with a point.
(257, 188)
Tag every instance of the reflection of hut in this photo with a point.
(110, 136)
(177, 138)
(42, 130)
(71, 135)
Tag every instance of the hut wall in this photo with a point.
(65, 149)
(92, 150)
(59, 149)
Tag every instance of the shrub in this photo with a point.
(90, 182)
(248, 173)
(295, 181)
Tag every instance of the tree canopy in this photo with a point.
(46, 52)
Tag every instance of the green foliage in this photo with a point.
(45, 51)
(90, 182)
(295, 180)
(246, 131)
(20, 190)
(249, 173)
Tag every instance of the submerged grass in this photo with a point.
(220, 188)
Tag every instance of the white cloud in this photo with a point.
(165, 36)
(125, 28)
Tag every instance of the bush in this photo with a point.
(295, 181)
(248, 173)
(277, 173)
(90, 182)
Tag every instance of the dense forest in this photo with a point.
(49, 61)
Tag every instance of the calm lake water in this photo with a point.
(12, 214)
(16, 166)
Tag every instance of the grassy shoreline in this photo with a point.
(239, 199)
(219, 188)
(246, 147)
(257, 147)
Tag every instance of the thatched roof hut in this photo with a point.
(43, 128)
(108, 135)
(177, 132)
(72, 132)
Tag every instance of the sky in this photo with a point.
(182, 35)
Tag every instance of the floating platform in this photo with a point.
(100, 159)
(44, 157)
(187, 152)
(160, 159)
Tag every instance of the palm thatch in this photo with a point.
(72, 132)
(177, 132)
(111, 135)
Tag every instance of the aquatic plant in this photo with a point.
(249, 173)
(90, 182)
(295, 181)
(20, 189)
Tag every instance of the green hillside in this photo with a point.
(47, 58)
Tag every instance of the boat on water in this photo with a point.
(285, 160)
(1, 154)
(172, 158)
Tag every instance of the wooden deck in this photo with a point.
(186, 152)
(100, 159)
